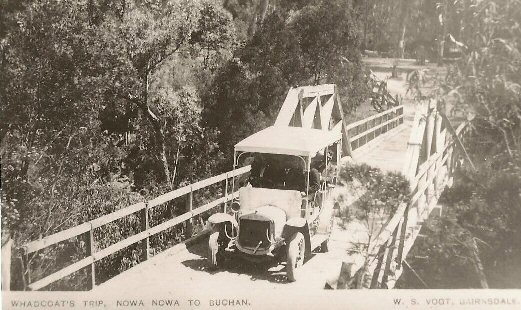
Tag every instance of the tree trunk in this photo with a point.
(160, 137)
(263, 9)
(404, 13)
(176, 161)
(258, 16)
(158, 131)
(443, 36)
(364, 43)
(164, 160)
(401, 44)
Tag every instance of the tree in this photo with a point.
(289, 48)
(144, 39)
(79, 78)
(484, 203)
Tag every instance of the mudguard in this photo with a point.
(219, 218)
(297, 222)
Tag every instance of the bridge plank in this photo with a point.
(61, 273)
(57, 237)
(318, 90)
(100, 221)
(36, 245)
(428, 164)
(366, 120)
(427, 183)
(327, 110)
(288, 107)
(360, 135)
(179, 219)
(388, 229)
(309, 114)
(196, 186)
(120, 245)
(159, 228)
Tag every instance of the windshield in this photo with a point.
(278, 172)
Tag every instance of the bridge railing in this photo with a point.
(363, 131)
(93, 255)
(397, 236)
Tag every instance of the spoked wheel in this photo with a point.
(295, 256)
(215, 251)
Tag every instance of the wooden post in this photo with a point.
(6, 261)
(90, 249)
(365, 135)
(387, 268)
(403, 236)
(344, 276)
(376, 273)
(450, 165)
(225, 192)
(26, 269)
(189, 207)
(145, 225)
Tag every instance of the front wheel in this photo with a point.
(295, 255)
(214, 251)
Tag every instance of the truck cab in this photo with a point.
(284, 209)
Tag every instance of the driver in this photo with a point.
(315, 176)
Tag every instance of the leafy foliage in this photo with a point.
(375, 197)
(76, 140)
(105, 103)
(480, 226)
(289, 48)
(379, 192)
(482, 207)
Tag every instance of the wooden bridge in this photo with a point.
(414, 140)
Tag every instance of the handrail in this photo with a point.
(432, 160)
(88, 227)
(370, 118)
(358, 136)
(362, 131)
(392, 229)
(415, 193)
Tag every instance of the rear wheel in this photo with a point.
(295, 255)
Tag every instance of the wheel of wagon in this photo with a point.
(295, 255)
(215, 252)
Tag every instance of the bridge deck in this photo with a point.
(182, 271)
(185, 272)
(389, 153)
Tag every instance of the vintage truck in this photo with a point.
(276, 217)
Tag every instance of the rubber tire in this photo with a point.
(296, 250)
(214, 254)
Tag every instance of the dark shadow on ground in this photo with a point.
(268, 271)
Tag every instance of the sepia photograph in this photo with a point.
(260, 154)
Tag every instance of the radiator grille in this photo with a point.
(251, 232)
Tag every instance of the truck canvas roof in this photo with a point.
(285, 140)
